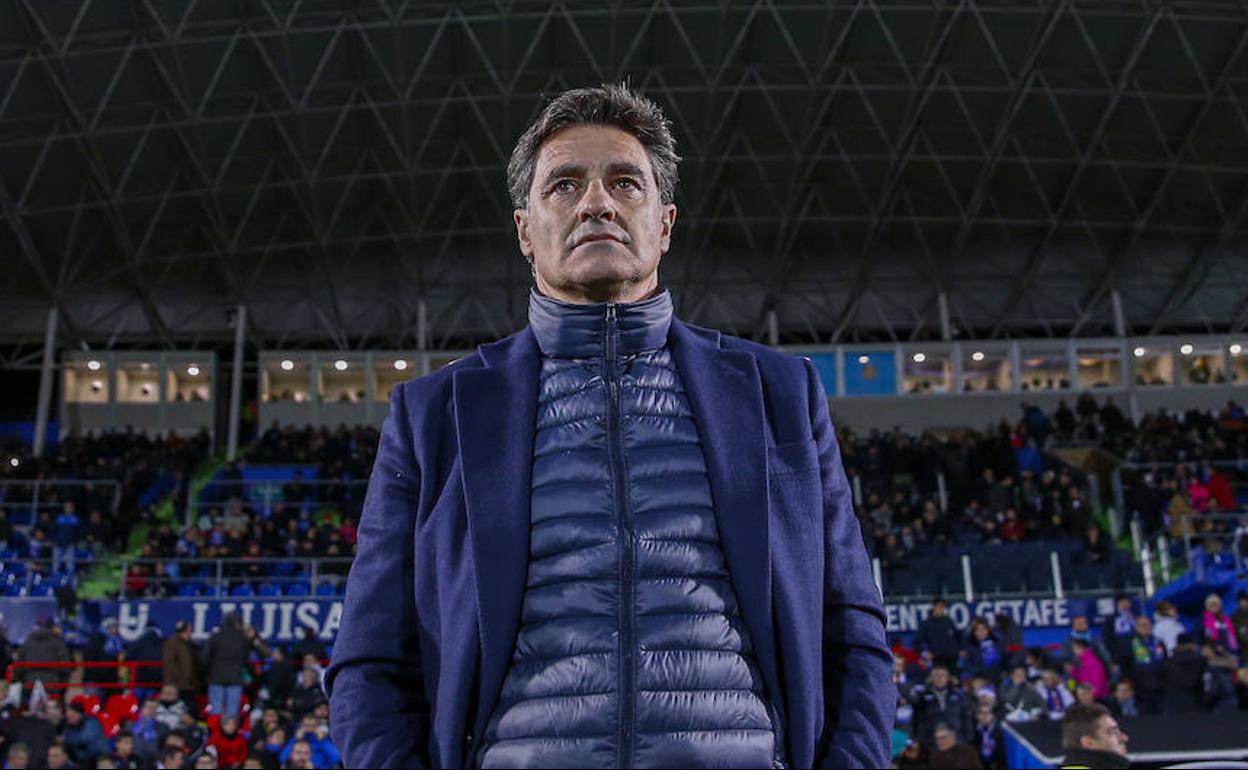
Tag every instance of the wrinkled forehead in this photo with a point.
(592, 148)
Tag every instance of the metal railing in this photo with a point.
(265, 494)
(32, 496)
(221, 577)
(44, 668)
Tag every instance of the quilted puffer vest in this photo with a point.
(632, 651)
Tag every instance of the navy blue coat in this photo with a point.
(434, 597)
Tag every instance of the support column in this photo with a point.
(236, 382)
(422, 336)
(1120, 318)
(46, 372)
(946, 331)
(773, 329)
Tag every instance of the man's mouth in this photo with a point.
(598, 237)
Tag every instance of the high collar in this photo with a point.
(569, 330)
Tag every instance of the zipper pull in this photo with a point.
(610, 312)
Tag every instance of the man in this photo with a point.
(939, 636)
(1092, 738)
(18, 757)
(1239, 621)
(989, 740)
(225, 659)
(1123, 702)
(44, 645)
(949, 751)
(83, 735)
(181, 670)
(58, 759)
(322, 754)
(64, 539)
(1018, 700)
(1147, 666)
(611, 523)
(1081, 631)
(1118, 631)
(941, 703)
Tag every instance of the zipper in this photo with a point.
(468, 758)
(777, 731)
(615, 457)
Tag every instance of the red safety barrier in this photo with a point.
(131, 667)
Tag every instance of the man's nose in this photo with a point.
(597, 202)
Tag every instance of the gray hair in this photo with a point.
(608, 105)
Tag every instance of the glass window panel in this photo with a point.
(393, 370)
(189, 380)
(1154, 365)
(1202, 364)
(1099, 367)
(86, 382)
(986, 370)
(1239, 362)
(287, 379)
(1043, 369)
(342, 380)
(928, 372)
(138, 382)
(870, 373)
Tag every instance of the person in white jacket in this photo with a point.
(1167, 626)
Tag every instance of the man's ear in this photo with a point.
(521, 218)
(667, 221)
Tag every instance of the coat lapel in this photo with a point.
(727, 400)
(495, 413)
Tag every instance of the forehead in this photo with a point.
(592, 146)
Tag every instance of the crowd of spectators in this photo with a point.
(232, 701)
(956, 690)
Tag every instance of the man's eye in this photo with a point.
(564, 185)
(629, 183)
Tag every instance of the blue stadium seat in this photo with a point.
(298, 588)
(325, 588)
(42, 590)
(243, 589)
(188, 590)
(268, 589)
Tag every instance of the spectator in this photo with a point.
(170, 707)
(951, 751)
(225, 659)
(1088, 668)
(309, 645)
(104, 646)
(36, 731)
(1085, 694)
(1017, 699)
(322, 753)
(124, 757)
(1167, 626)
(1239, 621)
(989, 739)
(1080, 630)
(181, 670)
(280, 678)
(941, 703)
(58, 759)
(44, 645)
(1185, 679)
(229, 743)
(1057, 699)
(269, 748)
(148, 731)
(1147, 665)
(308, 694)
(194, 734)
(938, 636)
(83, 735)
(147, 648)
(1118, 631)
(1091, 737)
(1216, 628)
(983, 654)
(18, 757)
(172, 758)
(65, 536)
(1123, 703)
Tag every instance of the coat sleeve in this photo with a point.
(860, 700)
(380, 716)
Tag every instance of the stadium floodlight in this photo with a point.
(1139, 352)
(920, 358)
(977, 356)
(287, 365)
(13, 461)
(400, 365)
(340, 365)
(1236, 349)
(192, 370)
(94, 365)
(864, 360)
(1186, 349)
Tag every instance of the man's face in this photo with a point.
(940, 609)
(1079, 624)
(1124, 691)
(595, 226)
(150, 709)
(73, 718)
(945, 740)
(1107, 736)
(940, 678)
(1085, 695)
(19, 760)
(1143, 626)
(56, 757)
(168, 693)
(125, 746)
(1018, 675)
(301, 755)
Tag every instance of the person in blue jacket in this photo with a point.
(83, 736)
(320, 748)
(612, 539)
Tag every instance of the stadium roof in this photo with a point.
(331, 163)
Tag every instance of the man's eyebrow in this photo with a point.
(565, 170)
(631, 169)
